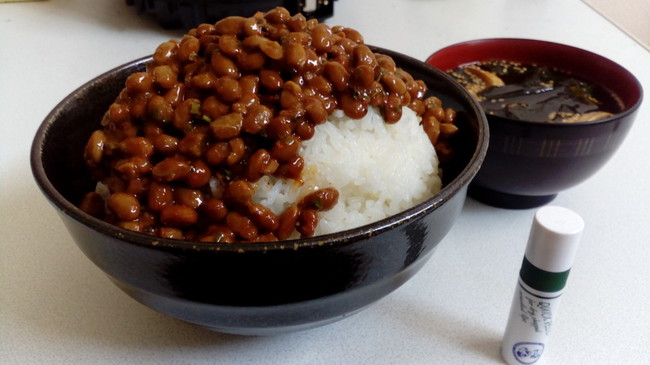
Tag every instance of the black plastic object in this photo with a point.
(190, 13)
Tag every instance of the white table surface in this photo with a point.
(57, 307)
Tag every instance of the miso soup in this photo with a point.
(536, 93)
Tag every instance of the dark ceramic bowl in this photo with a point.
(260, 288)
(529, 163)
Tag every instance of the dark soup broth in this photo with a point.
(536, 93)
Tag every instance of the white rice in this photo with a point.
(379, 169)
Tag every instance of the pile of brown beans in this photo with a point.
(183, 144)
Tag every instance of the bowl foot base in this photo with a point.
(508, 201)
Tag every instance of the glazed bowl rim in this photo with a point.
(338, 238)
(565, 47)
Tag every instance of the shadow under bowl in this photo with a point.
(529, 163)
(253, 288)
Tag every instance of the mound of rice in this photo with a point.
(379, 170)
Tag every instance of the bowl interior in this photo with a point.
(584, 64)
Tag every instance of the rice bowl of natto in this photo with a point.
(398, 196)
(254, 289)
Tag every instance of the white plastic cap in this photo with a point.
(554, 238)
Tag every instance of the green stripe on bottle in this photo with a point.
(541, 280)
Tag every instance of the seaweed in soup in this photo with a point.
(536, 93)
